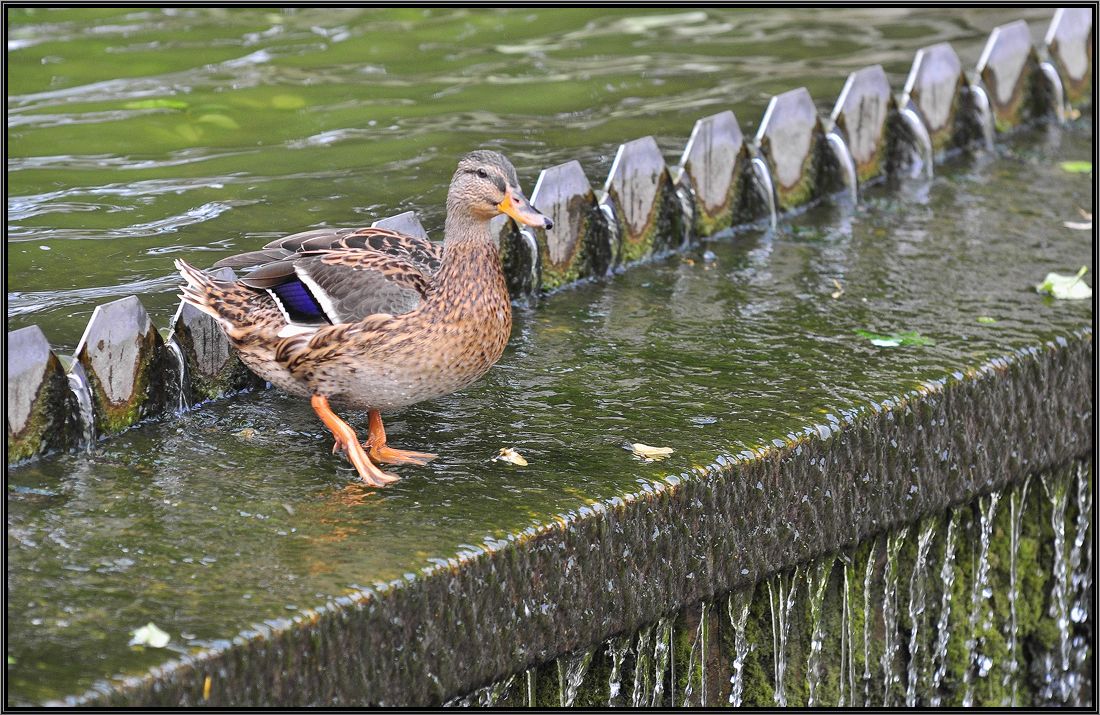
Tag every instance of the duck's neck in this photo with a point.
(471, 262)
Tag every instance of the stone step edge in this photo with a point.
(464, 625)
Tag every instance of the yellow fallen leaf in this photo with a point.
(507, 454)
(1084, 214)
(650, 454)
(839, 289)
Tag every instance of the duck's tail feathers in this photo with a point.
(226, 302)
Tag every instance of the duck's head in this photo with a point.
(485, 185)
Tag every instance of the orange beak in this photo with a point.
(516, 205)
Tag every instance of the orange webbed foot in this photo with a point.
(379, 452)
(346, 440)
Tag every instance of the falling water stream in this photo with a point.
(781, 598)
(643, 675)
(78, 383)
(917, 594)
(979, 663)
(738, 612)
(847, 684)
(868, 574)
(847, 164)
(985, 115)
(1016, 521)
(662, 657)
(617, 648)
(817, 580)
(1059, 688)
(183, 382)
(696, 675)
(923, 142)
(1050, 74)
(571, 672)
(1081, 569)
(763, 183)
(892, 639)
(943, 631)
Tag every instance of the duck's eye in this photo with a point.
(482, 174)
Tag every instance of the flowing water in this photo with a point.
(781, 599)
(943, 628)
(816, 583)
(980, 593)
(140, 135)
(1016, 515)
(917, 596)
(738, 612)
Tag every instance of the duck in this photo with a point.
(373, 319)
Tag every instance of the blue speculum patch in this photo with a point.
(298, 301)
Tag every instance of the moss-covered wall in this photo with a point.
(881, 621)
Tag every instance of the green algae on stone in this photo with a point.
(1070, 42)
(579, 245)
(213, 367)
(123, 357)
(51, 418)
(715, 169)
(643, 199)
(864, 114)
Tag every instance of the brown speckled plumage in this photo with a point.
(410, 321)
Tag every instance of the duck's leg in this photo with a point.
(379, 452)
(347, 440)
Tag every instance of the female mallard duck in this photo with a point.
(373, 318)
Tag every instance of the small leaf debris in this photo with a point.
(839, 289)
(986, 319)
(1077, 167)
(893, 340)
(1078, 225)
(1066, 287)
(507, 454)
(149, 635)
(649, 454)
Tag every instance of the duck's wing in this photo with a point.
(342, 285)
(425, 255)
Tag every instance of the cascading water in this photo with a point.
(979, 664)
(846, 162)
(662, 655)
(847, 685)
(923, 142)
(78, 383)
(183, 382)
(571, 672)
(1059, 689)
(1080, 562)
(531, 687)
(696, 667)
(738, 610)
(917, 594)
(643, 675)
(867, 576)
(1016, 502)
(1054, 81)
(781, 599)
(985, 115)
(816, 583)
(763, 183)
(890, 615)
(943, 631)
(616, 650)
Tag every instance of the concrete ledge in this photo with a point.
(570, 584)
